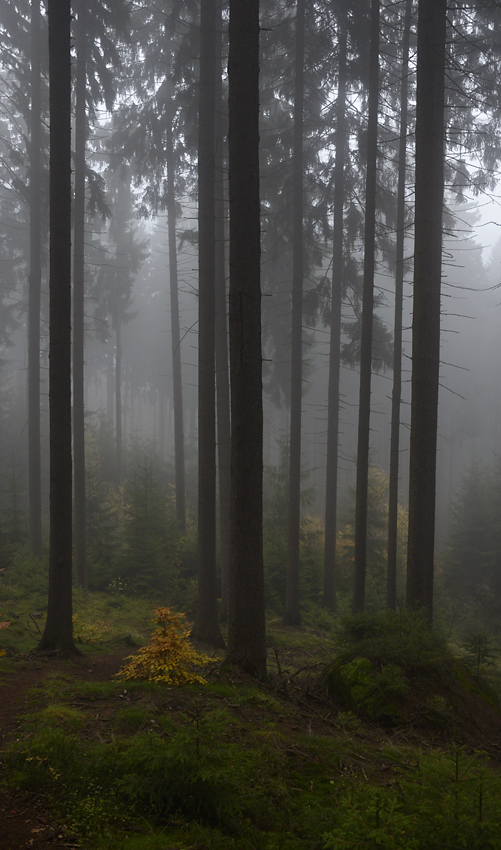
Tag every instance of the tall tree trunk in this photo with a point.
(161, 419)
(246, 635)
(35, 280)
(367, 321)
(58, 632)
(110, 372)
(222, 362)
(292, 615)
(206, 627)
(78, 300)
(432, 24)
(118, 394)
(177, 379)
(391, 594)
(329, 598)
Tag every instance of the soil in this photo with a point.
(23, 821)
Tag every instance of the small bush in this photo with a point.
(393, 665)
(375, 694)
(480, 650)
(402, 638)
(169, 657)
(87, 632)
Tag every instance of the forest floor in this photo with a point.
(289, 722)
(24, 822)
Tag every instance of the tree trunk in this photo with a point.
(58, 632)
(329, 598)
(222, 364)
(35, 280)
(292, 616)
(78, 300)
(246, 635)
(110, 372)
(161, 419)
(118, 393)
(367, 321)
(432, 23)
(391, 594)
(177, 379)
(206, 627)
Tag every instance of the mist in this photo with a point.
(141, 81)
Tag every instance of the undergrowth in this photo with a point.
(392, 667)
(242, 782)
(234, 765)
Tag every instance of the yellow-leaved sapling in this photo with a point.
(169, 657)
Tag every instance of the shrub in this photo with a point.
(169, 657)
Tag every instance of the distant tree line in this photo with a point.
(298, 129)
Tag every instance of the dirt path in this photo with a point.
(23, 821)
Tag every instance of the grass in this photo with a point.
(240, 766)
(99, 619)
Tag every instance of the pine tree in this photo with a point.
(429, 194)
(246, 636)
(206, 627)
(367, 321)
(58, 632)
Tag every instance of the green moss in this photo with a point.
(359, 686)
(59, 714)
(473, 684)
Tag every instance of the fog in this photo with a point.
(141, 81)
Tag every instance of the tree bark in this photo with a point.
(432, 26)
(222, 362)
(110, 373)
(78, 300)
(367, 322)
(329, 598)
(177, 379)
(58, 632)
(118, 391)
(246, 635)
(292, 615)
(391, 591)
(35, 282)
(206, 627)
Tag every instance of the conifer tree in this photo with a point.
(391, 595)
(367, 320)
(429, 195)
(246, 635)
(34, 305)
(292, 616)
(58, 632)
(206, 627)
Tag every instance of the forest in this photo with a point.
(250, 422)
